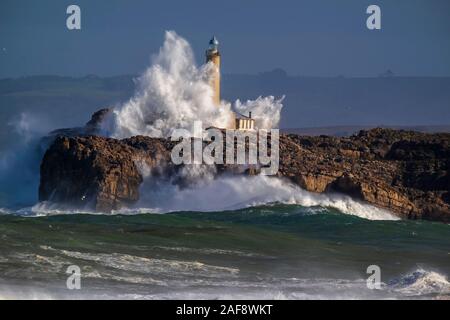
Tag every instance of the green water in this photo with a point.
(277, 251)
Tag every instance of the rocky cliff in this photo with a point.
(97, 173)
(403, 171)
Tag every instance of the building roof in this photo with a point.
(241, 116)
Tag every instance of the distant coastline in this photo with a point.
(345, 131)
(313, 105)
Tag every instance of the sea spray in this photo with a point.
(265, 110)
(236, 192)
(421, 282)
(174, 92)
(19, 164)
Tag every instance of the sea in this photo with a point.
(267, 251)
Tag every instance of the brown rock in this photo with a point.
(405, 172)
(96, 173)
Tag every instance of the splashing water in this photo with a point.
(421, 282)
(173, 93)
(236, 192)
(265, 110)
(19, 164)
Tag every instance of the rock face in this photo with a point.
(405, 172)
(98, 173)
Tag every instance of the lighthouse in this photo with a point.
(213, 55)
(238, 121)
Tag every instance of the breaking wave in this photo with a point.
(421, 282)
(236, 192)
(225, 194)
(167, 280)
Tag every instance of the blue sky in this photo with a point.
(310, 37)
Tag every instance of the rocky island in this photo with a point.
(405, 172)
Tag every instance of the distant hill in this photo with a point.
(56, 102)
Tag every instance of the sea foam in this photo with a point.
(236, 192)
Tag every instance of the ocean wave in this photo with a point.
(421, 282)
(226, 194)
(126, 262)
(211, 251)
(220, 288)
(5, 211)
(237, 192)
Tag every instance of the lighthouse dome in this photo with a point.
(213, 43)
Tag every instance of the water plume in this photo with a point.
(174, 92)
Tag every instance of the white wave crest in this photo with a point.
(224, 194)
(155, 266)
(236, 192)
(421, 282)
